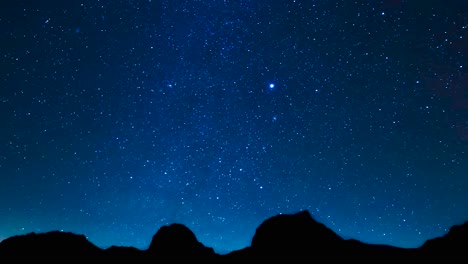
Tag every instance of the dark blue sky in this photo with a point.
(118, 117)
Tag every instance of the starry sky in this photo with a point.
(119, 117)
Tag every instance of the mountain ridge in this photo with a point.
(283, 236)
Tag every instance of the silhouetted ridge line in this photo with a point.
(178, 241)
(454, 243)
(284, 236)
(54, 244)
(292, 235)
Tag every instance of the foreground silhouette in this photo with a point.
(282, 237)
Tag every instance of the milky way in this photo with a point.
(119, 117)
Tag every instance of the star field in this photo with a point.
(119, 117)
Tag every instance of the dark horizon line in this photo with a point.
(232, 250)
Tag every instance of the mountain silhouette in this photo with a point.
(282, 237)
(50, 245)
(454, 244)
(177, 241)
(299, 236)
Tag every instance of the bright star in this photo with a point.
(272, 86)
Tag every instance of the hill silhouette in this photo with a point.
(282, 237)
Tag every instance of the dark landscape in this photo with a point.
(282, 237)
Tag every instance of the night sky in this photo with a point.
(119, 117)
